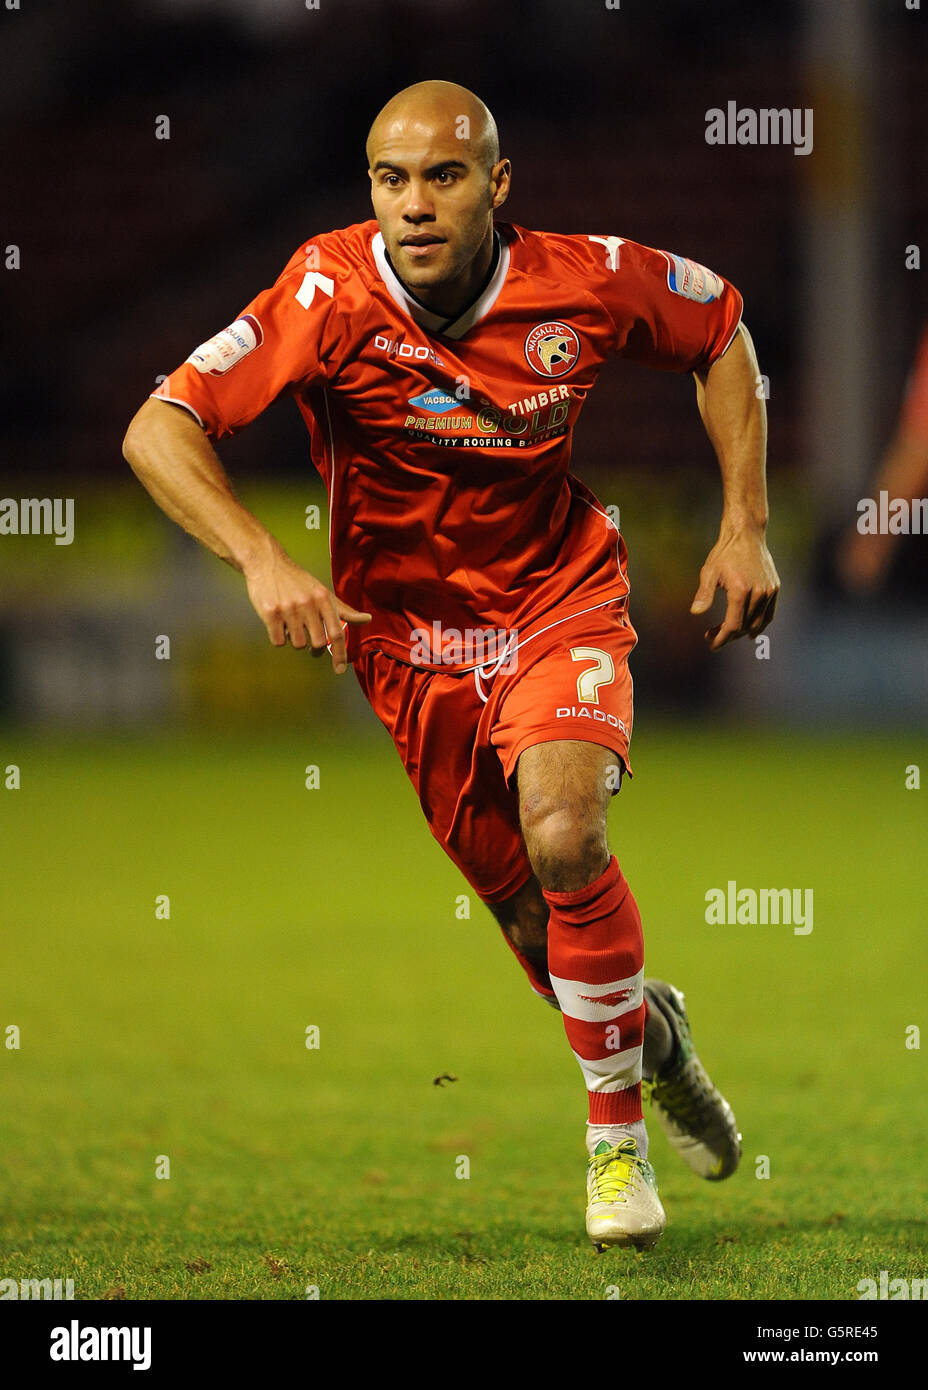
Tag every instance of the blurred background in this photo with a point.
(128, 250)
(180, 900)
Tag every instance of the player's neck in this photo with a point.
(450, 300)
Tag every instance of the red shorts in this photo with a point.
(460, 736)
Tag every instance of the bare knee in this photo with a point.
(564, 793)
(566, 846)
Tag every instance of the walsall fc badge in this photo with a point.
(552, 348)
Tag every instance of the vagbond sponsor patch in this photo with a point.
(219, 354)
(436, 402)
(692, 280)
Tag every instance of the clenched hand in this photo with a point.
(739, 563)
(295, 606)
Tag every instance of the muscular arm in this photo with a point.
(174, 460)
(739, 562)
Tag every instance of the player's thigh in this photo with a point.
(567, 777)
(562, 730)
(435, 721)
(569, 701)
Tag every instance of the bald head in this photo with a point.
(436, 181)
(444, 106)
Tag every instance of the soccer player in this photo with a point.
(440, 361)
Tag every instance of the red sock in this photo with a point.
(596, 964)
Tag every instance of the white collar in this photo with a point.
(439, 323)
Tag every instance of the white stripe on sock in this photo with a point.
(616, 1072)
(597, 1003)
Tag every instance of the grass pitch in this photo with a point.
(335, 1168)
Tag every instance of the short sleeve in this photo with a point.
(668, 311)
(276, 344)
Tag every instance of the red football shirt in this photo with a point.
(445, 445)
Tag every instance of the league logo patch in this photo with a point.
(436, 402)
(551, 349)
(692, 280)
(217, 355)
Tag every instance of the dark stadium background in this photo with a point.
(135, 249)
(127, 781)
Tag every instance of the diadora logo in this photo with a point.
(551, 349)
(410, 352)
(597, 715)
(436, 401)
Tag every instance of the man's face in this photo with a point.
(433, 199)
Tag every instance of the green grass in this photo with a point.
(336, 1167)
